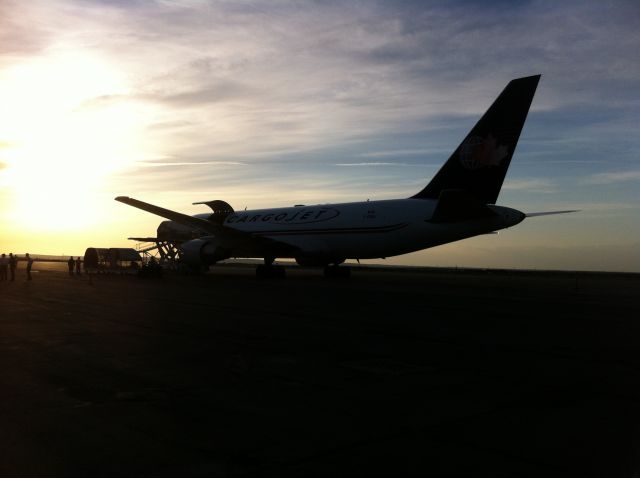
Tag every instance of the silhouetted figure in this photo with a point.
(4, 266)
(13, 263)
(71, 263)
(29, 264)
(151, 269)
(78, 264)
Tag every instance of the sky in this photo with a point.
(268, 104)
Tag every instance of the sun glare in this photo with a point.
(65, 127)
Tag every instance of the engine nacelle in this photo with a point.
(174, 231)
(199, 253)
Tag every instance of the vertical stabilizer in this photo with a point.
(478, 166)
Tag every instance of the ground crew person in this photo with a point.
(4, 266)
(13, 263)
(71, 263)
(78, 266)
(29, 264)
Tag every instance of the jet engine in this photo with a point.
(199, 253)
(176, 232)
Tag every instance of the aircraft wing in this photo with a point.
(194, 222)
(221, 232)
(548, 213)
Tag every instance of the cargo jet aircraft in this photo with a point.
(459, 202)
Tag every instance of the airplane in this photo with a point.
(458, 203)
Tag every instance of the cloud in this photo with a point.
(221, 91)
(613, 177)
(176, 98)
(19, 38)
(337, 71)
(375, 164)
(271, 79)
(102, 101)
(542, 185)
(403, 152)
(168, 125)
(156, 164)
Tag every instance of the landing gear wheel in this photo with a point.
(337, 271)
(268, 272)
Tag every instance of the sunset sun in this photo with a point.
(62, 139)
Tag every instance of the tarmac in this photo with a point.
(397, 372)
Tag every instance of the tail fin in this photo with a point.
(478, 166)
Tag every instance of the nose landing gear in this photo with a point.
(268, 270)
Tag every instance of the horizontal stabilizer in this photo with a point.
(458, 205)
(143, 239)
(549, 213)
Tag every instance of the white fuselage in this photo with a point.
(359, 230)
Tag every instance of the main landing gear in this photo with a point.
(269, 271)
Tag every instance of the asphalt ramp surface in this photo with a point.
(423, 373)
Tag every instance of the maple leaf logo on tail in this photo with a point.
(477, 152)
